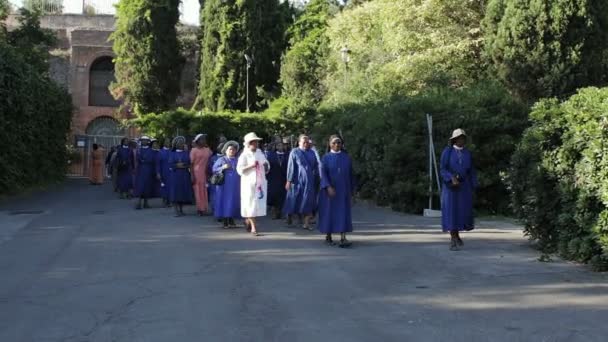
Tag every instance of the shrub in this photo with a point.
(388, 140)
(559, 177)
(36, 115)
(233, 125)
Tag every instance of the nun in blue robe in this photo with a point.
(181, 191)
(337, 189)
(459, 183)
(302, 182)
(145, 174)
(163, 172)
(124, 163)
(277, 177)
(211, 188)
(228, 194)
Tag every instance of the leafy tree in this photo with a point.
(548, 48)
(148, 55)
(231, 30)
(303, 67)
(44, 6)
(403, 47)
(32, 41)
(5, 8)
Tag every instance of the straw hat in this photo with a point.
(251, 137)
(145, 137)
(459, 132)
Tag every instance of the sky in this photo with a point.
(190, 8)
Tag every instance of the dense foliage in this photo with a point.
(388, 140)
(44, 6)
(548, 48)
(402, 48)
(559, 177)
(148, 56)
(232, 29)
(230, 124)
(34, 111)
(303, 67)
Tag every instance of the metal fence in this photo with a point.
(95, 7)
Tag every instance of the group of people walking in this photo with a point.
(237, 183)
(296, 184)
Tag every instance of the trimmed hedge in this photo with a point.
(559, 177)
(35, 116)
(234, 125)
(388, 141)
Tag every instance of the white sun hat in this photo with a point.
(459, 132)
(251, 137)
(145, 137)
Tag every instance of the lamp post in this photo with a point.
(345, 54)
(249, 62)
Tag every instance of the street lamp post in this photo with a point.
(249, 62)
(345, 54)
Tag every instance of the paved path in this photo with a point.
(90, 268)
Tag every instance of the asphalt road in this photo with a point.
(78, 264)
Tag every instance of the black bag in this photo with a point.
(217, 178)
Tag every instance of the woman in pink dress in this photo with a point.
(199, 157)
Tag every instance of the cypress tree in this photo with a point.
(548, 48)
(232, 29)
(148, 59)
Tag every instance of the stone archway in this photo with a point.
(104, 126)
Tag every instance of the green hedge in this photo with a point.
(389, 143)
(35, 117)
(559, 177)
(234, 125)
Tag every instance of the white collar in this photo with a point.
(123, 146)
(145, 146)
(332, 151)
(176, 150)
(458, 148)
(280, 152)
(166, 148)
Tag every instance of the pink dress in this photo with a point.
(200, 159)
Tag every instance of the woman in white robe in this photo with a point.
(253, 167)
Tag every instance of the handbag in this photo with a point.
(217, 178)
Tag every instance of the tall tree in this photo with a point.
(548, 48)
(32, 41)
(232, 29)
(303, 67)
(148, 55)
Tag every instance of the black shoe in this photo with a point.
(454, 245)
(459, 242)
(329, 241)
(146, 205)
(344, 243)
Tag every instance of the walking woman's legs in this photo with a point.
(254, 230)
(454, 240)
(344, 241)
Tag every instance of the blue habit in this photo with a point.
(181, 181)
(212, 189)
(162, 169)
(145, 176)
(277, 176)
(335, 212)
(457, 202)
(227, 195)
(124, 164)
(303, 173)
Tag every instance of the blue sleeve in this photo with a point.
(325, 175)
(217, 166)
(292, 171)
(157, 162)
(446, 175)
